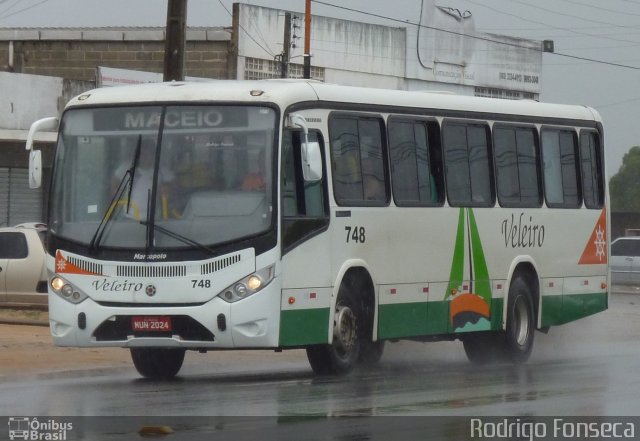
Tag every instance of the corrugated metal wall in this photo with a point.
(18, 203)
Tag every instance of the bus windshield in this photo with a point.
(193, 174)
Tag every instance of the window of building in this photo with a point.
(517, 166)
(357, 160)
(467, 164)
(592, 176)
(560, 159)
(258, 69)
(415, 160)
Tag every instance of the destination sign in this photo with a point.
(187, 117)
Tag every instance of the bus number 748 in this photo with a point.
(202, 283)
(355, 234)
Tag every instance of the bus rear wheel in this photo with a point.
(521, 319)
(516, 342)
(157, 363)
(341, 355)
(483, 348)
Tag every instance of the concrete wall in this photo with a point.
(75, 53)
(26, 98)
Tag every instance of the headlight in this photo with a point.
(66, 290)
(249, 285)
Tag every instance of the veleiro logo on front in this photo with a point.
(32, 429)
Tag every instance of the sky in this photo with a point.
(597, 44)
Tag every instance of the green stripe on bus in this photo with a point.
(402, 320)
(412, 319)
(457, 264)
(424, 318)
(304, 327)
(480, 270)
(497, 306)
(557, 310)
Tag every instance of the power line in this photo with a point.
(9, 7)
(588, 20)
(245, 31)
(617, 103)
(21, 10)
(585, 34)
(504, 43)
(574, 2)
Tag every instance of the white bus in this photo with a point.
(286, 214)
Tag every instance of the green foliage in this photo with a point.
(624, 186)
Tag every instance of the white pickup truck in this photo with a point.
(23, 275)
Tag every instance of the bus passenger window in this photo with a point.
(413, 173)
(467, 165)
(357, 157)
(591, 161)
(517, 166)
(559, 155)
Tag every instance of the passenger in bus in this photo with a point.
(372, 180)
(142, 181)
(255, 179)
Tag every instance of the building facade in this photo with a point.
(40, 69)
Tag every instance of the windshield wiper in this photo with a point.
(127, 179)
(132, 170)
(179, 237)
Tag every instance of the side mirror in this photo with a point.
(35, 169)
(311, 161)
(42, 125)
(311, 156)
(35, 156)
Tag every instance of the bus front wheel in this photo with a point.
(341, 355)
(370, 352)
(157, 363)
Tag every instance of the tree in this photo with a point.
(624, 186)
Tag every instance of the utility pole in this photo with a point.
(175, 40)
(307, 40)
(286, 46)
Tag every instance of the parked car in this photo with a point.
(23, 274)
(625, 261)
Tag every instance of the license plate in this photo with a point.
(145, 323)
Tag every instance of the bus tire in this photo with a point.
(521, 320)
(370, 352)
(483, 348)
(157, 363)
(341, 355)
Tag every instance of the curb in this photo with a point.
(27, 322)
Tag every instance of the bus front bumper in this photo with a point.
(252, 322)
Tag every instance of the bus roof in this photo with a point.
(285, 92)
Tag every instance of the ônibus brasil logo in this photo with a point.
(32, 429)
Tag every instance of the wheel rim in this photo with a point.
(522, 321)
(344, 330)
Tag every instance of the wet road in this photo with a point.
(584, 368)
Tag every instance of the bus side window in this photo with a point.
(591, 161)
(517, 166)
(358, 160)
(304, 204)
(415, 172)
(559, 156)
(467, 164)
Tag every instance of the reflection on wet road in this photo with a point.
(584, 368)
